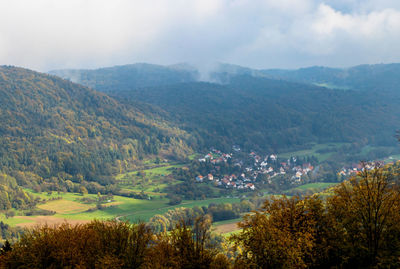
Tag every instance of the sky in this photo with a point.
(56, 34)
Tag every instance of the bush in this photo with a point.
(38, 211)
(175, 200)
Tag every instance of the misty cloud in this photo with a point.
(47, 34)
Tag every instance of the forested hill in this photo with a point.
(130, 76)
(379, 77)
(259, 113)
(55, 130)
(266, 109)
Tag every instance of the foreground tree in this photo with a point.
(94, 245)
(112, 244)
(187, 247)
(358, 226)
(286, 233)
(366, 211)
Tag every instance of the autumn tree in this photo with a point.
(187, 247)
(366, 210)
(286, 233)
(97, 244)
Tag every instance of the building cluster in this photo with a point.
(272, 167)
(251, 168)
(215, 157)
(230, 181)
(357, 168)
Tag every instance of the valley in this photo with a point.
(150, 185)
(138, 149)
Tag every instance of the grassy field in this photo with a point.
(313, 151)
(145, 215)
(151, 181)
(69, 207)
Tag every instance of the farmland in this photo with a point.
(70, 207)
(227, 226)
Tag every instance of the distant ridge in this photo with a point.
(133, 75)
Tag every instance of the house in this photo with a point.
(225, 181)
(210, 177)
(199, 178)
(273, 157)
(250, 186)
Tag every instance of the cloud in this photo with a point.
(46, 34)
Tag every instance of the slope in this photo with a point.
(54, 130)
(259, 113)
(271, 109)
(378, 77)
(127, 76)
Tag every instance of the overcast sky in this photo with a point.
(50, 34)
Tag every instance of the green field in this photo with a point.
(313, 151)
(230, 221)
(151, 181)
(71, 208)
(145, 215)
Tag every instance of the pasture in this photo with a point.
(328, 150)
(69, 207)
(151, 181)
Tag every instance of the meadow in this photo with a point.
(151, 181)
(328, 148)
(69, 207)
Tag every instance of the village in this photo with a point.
(252, 168)
(356, 168)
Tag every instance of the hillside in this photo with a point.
(54, 131)
(260, 113)
(257, 112)
(128, 76)
(378, 77)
